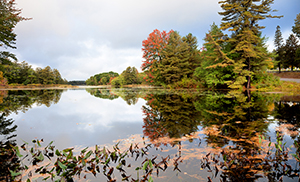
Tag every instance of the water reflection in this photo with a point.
(8, 159)
(235, 125)
(22, 100)
(169, 115)
(130, 96)
(206, 136)
(102, 93)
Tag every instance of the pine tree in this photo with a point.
(194, 53)
(241, 17)
(290, 48)
(175, 63)
(215, 70)
(278, 42)
(9, 17)
(296, 27)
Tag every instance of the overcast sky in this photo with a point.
(81, 38)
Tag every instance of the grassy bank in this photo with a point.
(35, 86)
(288, 74)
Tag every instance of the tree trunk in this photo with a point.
(249, 77)
(279, 65)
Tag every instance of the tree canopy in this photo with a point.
(296, 27)
(101, 78)
(9, 17)
(241, 18)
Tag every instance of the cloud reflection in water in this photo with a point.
(80, 119)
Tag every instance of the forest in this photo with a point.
(12, 71)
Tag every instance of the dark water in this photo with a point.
(193, 135)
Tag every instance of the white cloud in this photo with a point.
(81, 38)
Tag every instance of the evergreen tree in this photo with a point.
(175, 63)
(241, 17)
(296, 27)
(215, 70)
(279, 45)
(290, 48)
(194, 53)
(9, 17)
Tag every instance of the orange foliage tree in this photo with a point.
(152, 49)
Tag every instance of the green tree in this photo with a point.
(118, 81)
(9, 17)
(215, 70)
(279, 47)
(194, 53)
(57, 77)
(241, 18)
(296, 27)
(104, 81)
(290, 48)
(175, 63)
(169, 58)
(97, 78)
(131, 75)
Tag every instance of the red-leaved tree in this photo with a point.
(152, 49)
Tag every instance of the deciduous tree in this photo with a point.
(152, 53)
(130, 75)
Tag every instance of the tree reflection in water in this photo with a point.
(9, 161)
(235, 125)
(169, 115)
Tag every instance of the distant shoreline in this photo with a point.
(43, 87)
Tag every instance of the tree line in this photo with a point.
(288, 52)
(128, 77)
(12, 71)
(23, 73)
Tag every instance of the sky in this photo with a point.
(82, 38)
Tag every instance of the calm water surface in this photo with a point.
(80, 118)
(184, 126)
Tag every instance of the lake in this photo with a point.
(169, 135)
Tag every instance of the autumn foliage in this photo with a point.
(152, 49)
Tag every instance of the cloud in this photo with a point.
(82, 38)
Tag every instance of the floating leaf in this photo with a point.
(57, 152)
(14, 174)
(145, 165)
(40, 157)
(61, 165)
(84, 150)
(150, 164)
(38, 142)
(88, 154)
(18, 151)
